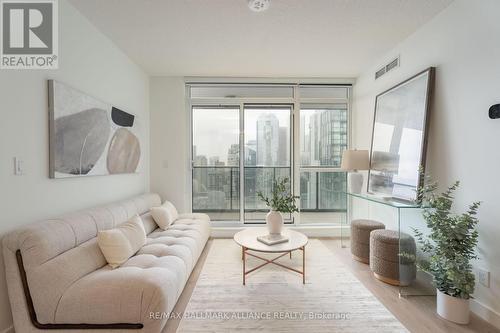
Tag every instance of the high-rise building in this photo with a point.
(215, 161)
(305, 146)
(332, 137)
(267, 139)
(200, 174)
(315, 138)
(284, 147)
(233, 155)
(324, 137)
(251, 153)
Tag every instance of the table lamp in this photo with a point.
(354, 160)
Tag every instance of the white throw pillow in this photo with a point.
(165, 214)
(122, 242)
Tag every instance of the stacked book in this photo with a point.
(272, 239)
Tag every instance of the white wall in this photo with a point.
(463, 43)
(170, 130)
(89, 62)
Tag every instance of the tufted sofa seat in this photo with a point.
(69, 286)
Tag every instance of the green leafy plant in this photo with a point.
(451, 243)
(281, 200)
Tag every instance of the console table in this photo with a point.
(398, 215)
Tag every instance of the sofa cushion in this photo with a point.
(122, 242)
(70, 282)
(58, 252)
(170, 247)
(39, 242)
(129, 294)
(162, 216)
(149, 223)
(192, 233)
(151, 281)
(165, 214)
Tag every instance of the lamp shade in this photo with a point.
(355, 160)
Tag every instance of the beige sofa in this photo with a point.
(58, 278)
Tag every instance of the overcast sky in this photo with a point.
(215, 130)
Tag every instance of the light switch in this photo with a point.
(18, 166)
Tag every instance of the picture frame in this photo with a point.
(88, 137)
(399, 138)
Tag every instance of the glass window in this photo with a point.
(241, 91)
(323, 136)
(323, 92)
(322, 197)
(215, 157)
(259, 138)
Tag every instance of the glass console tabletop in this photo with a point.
(392, 202)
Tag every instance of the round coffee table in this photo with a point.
(247, 239)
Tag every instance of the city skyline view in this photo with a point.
(323, 137)
(274, 135)
(266, 154)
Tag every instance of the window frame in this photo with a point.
(296, 103)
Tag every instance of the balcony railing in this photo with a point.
(216, 189)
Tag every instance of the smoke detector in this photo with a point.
(259, 5)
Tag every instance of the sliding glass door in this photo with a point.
(267, 155)
(264, 143)
(244, 137)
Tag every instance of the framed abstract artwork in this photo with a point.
(399, 140)
(89, 137)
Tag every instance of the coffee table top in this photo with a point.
(248, 238)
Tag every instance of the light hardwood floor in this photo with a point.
(417, 314)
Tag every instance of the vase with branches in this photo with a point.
(280, 201)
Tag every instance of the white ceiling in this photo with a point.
(294, 38)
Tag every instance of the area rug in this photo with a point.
(275, 300)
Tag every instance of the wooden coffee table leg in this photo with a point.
(303, 265)
(290, 254)
(244, 268)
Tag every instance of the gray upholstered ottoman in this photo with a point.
(386, 263)
(360, 238)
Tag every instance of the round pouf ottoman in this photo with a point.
(360, 238)
(386, 263)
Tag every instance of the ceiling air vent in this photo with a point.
(387, 68)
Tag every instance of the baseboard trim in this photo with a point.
(9, 329)
(485, 312)
(310, 231)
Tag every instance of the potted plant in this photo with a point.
(450, 246)
(280, 201)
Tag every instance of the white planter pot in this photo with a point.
(453, 308)
(274, 222)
